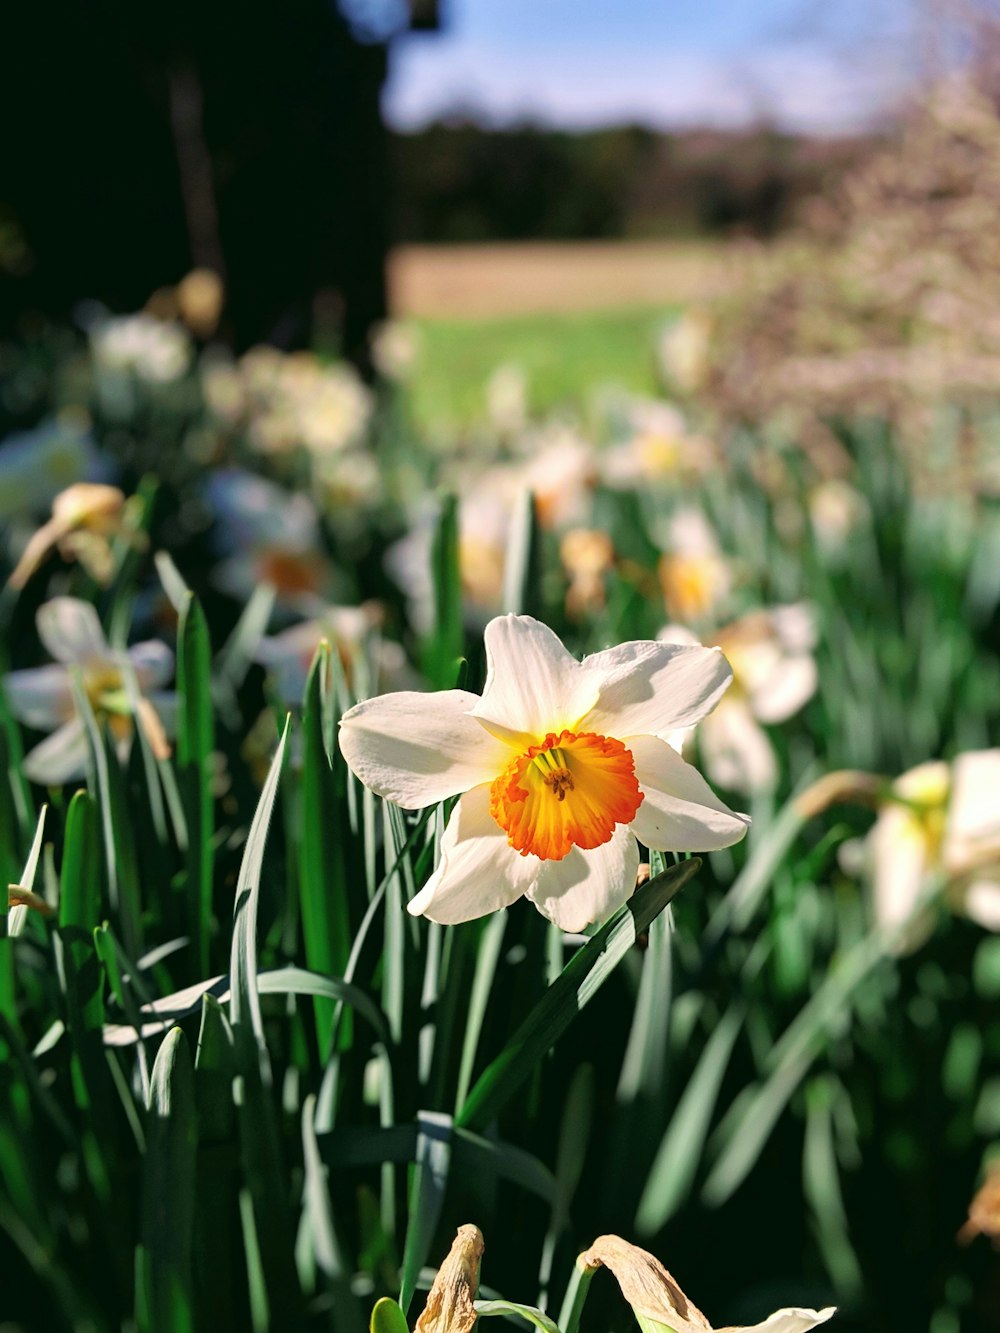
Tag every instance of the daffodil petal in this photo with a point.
(981, 903)
(478, 872)
(735, 750)
(417, 748)
(61, 757)
(900, 865)
(587, 886)
(40, 697)
(787, 687)
(533, 685)
(153, 663)
(972, 833)
(652, 688)
(794, 1320)
(679, 812)
(70, 630)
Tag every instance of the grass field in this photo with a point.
(571, 316)
(563, 357)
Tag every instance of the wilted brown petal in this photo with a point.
(449, 1307)
(984, 1210)
(646, 1284)
(19, 897)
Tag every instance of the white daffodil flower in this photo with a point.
(42, 697)
(941, 820)
(560, 767)
(774, 676)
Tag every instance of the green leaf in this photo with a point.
(195, 740)
(574, 987)
(267, 1222)
(528, 1313)
(245, 1003)
(318, 1219)
(680, 1152)
(17, 916)
(444, 646)
(163, 1297)
(387, 1317)
(427, 1190)
(322, 860)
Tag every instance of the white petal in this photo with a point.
(417, 749)
(153, 662)
(479, 871)
(788, 1321)
(679, 634)
(61, 757)
(735, 750)
(899, 864)
(71, 631)
(41, 697)
(972, 834)
(679, 812)
(649, 688)
(533, 685)
(788, 687)
(981, 903)
(587, 886)
(795, 626)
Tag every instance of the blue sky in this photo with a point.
(802, 64)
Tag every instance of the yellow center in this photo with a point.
(568, 791)
(106, 692)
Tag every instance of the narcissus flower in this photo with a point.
(42, 697)
(560, 767)
(940, 820)
(771, 653)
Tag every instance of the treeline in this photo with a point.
(459, 182)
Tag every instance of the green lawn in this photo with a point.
(563, 356)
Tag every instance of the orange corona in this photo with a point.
(568, 791)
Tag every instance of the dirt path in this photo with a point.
(457, 281)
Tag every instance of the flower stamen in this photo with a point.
(592, 779)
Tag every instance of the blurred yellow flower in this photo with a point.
(84, 519)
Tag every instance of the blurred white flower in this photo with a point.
(484, 514)
(561, 473)
(351, 633)
(36, 465)
(694, 574)
(141, 345)
(559, 767)
(659, 448)
(683, 351)
(835, 510)
(941, 821)
(42, 697)
(774, 676)
(271, 536)
(507, 399)
(395, 349)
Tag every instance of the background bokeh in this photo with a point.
(355, 325)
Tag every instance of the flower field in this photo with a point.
(567, 832)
